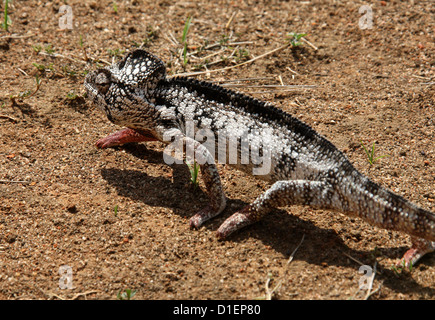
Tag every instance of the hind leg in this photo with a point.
(282, 193)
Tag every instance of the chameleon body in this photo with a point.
(304, 167)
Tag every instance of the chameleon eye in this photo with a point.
(103, 81)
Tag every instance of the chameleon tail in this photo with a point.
(388, 210)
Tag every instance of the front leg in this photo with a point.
(212, 181)
(123, 136)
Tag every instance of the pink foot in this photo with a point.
(205, 214)
(198, 219)
(419, 248)
(124, 136)
(237, 221)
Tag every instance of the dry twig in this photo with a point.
(78, 60)
(269, 292)
(235, 66)
(14, 181)
(8, 117)
(231, 19)
(309, 43)
(269, 86)
(14, 36)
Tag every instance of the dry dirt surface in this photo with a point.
(118, 218)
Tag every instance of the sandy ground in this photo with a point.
(118, 218)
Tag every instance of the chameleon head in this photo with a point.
(124, 90)
(101, 89)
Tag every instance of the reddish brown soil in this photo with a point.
(373, 85)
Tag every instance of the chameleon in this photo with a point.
(304, 168)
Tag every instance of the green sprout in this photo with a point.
(68, 71)
(115, 53)
(399, 268)
(42, 67)
(27, 93)
(294, 38)
(184, 39)
(371, 154)
(224, 39)
(7, 21)
(71, 95)
(126, 295)
(151, 34)
(115, 7)
(83, 48)
(241, 55)
(37, 48)
(49, 49)
(194, 170)
(116, 210)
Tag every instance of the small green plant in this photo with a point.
(200, 65)
(294, 38)
(42, 67)
(68, 71)
(116, 210)
(224, 39)
(49, 49)
(194, 170)
(242, 55)
(127, 294)
(151, 34)
(37, 48)
(115, 53)
(38, 66)
(115, 7)
(371, 155)
(71, 95)
(184, 39)
(410, 266)
(27, 93)
(399, 268)
(396, 270)
(83, 48)
(7, 21)
(24, 94)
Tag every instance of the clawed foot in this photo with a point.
(198, 219)
(207, 213)
(419, 248)
(236, 221)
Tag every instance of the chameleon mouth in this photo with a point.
(89, 85)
